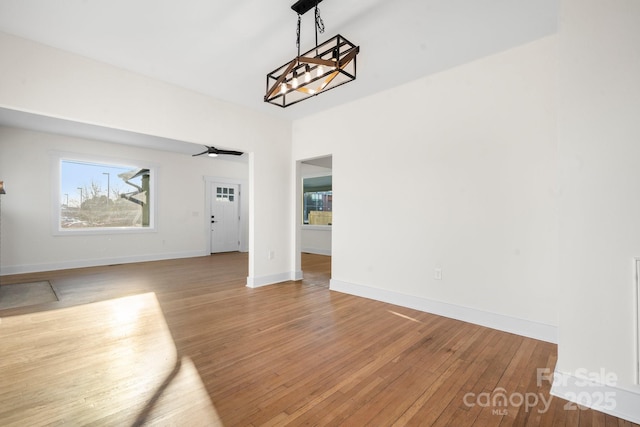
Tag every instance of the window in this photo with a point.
(104, 197)
(317, 201)
(225, 194)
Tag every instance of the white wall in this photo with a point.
(454, 171)
(50, 82)
(28, 242)
(316, 239)
(599, 149)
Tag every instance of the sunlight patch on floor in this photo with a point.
(404, 316)
(112, 362)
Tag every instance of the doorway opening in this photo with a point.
(314, 208)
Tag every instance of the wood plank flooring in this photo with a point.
(210, 351)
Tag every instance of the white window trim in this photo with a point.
(56, 158)
(316, 227)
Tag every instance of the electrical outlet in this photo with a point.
(271, 254)
(437, 274)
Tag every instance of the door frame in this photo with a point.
(298, 187)
(208, 189)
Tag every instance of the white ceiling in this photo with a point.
(226, 48)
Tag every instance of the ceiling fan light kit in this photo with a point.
(326, 66)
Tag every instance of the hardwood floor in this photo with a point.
(185, 342)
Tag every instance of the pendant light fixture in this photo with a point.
(326, 66)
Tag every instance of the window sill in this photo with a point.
(316, 227)
(103, 231)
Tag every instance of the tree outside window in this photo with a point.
(104, 196)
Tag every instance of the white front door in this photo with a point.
(225, 219)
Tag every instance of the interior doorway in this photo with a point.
(314, 207)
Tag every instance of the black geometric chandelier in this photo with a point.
(326, 66)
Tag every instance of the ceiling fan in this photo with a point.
(213, 152)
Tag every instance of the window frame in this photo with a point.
(58, 157)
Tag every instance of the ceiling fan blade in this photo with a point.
(200, 154)
(231, 152)
(214, 150)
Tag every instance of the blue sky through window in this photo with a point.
(77, 174)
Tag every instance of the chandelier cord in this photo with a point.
(319, 25)
(298, 34)
(319, 22)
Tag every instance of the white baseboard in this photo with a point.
(514, 325)
(607, 398)
(35, 268)
(256, 282)
(317, 251)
